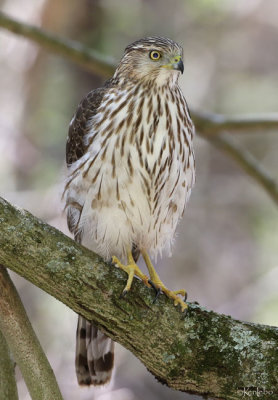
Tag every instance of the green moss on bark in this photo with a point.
(203, 353)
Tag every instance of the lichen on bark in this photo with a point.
(203, 352)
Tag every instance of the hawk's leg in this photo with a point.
(160, 287)
(131, 269)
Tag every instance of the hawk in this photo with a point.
(131, 168)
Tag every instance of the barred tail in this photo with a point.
(94, 354)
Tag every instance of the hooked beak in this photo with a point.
(175, 63)
(178, 66)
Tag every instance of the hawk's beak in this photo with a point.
(179, 66)
(175, 63)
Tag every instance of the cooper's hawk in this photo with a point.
(130, 172)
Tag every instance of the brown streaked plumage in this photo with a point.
(131, 168)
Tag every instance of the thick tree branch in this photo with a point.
(8, 388)
(203, 353)
(23, 343)
(207, 125)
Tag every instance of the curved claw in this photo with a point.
(163, 290)
(158, 293)
(123, 294)
(157, 290)
(152, 285)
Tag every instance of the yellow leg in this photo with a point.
(161, 287)
(131, 269)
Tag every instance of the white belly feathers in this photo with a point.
(136, 176)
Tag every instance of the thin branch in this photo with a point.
(23, 343)
(70, 49)
(248, 162)
(203, 353)
(8, 388)
(208, 125)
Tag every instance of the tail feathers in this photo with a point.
(94, 354)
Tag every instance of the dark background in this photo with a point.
(226, 247)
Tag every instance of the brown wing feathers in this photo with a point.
(78, 128)
(94, 350)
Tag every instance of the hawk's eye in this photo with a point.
(155, 55)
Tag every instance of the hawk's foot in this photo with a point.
(161, 288)
(132, 270)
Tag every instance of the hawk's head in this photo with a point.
(153, 59)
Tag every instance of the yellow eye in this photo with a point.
(155, 55)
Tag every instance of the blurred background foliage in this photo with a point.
(226, 246)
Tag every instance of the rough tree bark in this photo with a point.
(24, 345)
(203, 352)
(8, 389)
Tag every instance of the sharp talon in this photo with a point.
(158, 293)
(152, 285)
(185, 297)
(123, 294)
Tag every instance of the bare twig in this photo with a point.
(74, 51)
(23, 343)
(210, 126)
(248, 162)
(208, 123)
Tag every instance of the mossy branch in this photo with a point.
(203, 353)
(208, 125)
(24, 345)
